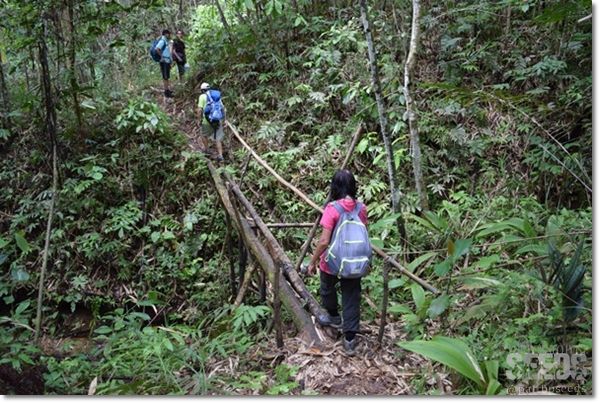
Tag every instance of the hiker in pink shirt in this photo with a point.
(343, 191)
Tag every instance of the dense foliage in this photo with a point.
(138, 265)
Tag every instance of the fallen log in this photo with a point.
(377, 250)
(278, 254)
(300, 317)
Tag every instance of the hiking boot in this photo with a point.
(168, 93)
(350, 347)
(328, 320)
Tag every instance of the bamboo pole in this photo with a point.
(384, 303)
(271, 170)
(46, 251)
(377, 250)
(277, 308)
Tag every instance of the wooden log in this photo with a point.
(229, 244)
(300, 317)
(278, 254)
(377, 250)
(277, 310)
(384, 303)
(243, 287)
(242, 259)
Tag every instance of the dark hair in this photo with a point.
(166, 32)
(343, 184)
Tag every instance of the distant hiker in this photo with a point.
(179, 53)
(343, 253)
(163, 51)
(211, 114)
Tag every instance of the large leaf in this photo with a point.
(461, 247)
(399, 309)
(22, 242)
(396, 282)
(438, 222)
(493, 228)
(418, 295)
(453, 353)
(487, 261)
(418, 261)
(441, 269)
(438, 306)
(385, 222)
(475, 283)
(18, 274)
(539, 249)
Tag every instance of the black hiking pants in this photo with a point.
(350, 301)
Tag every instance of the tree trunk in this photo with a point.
(223, 20)
(72, 66)
(51, 131)
(5, 105)
(395, 192)
(410, 109)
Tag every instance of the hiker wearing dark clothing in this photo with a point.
(179, 53)
(163, 48)
(343, 192)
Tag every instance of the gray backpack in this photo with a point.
(349, 252)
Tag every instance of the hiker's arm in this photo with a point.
(321, 246)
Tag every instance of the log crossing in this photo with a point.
(286, 285)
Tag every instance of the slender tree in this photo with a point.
(387, 143)
(223, 19)
(72, 64)
(410, 108)
(4, 98)
(51, 123)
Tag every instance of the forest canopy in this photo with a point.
(468, 128)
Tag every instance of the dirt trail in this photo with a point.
(374, 370)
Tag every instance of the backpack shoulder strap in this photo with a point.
(338, 207)
(208, 96)
(357, 208)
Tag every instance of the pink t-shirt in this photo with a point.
(330, 218)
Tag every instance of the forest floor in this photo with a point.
(376, 369)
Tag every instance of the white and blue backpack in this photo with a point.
(349, 252)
